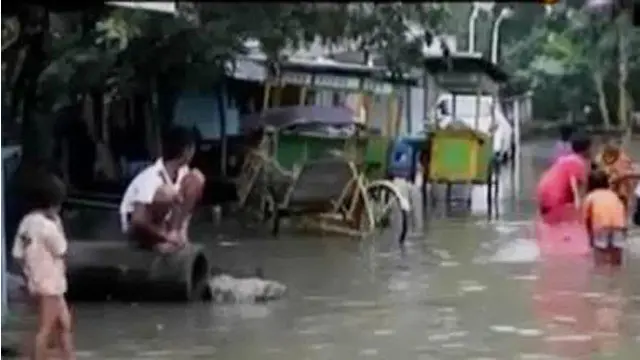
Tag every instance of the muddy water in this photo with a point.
(468, 289)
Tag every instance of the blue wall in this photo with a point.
(201, 110)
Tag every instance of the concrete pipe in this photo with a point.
(105, 270)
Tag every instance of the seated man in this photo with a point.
(156, 207)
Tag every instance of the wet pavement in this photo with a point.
(467, 289)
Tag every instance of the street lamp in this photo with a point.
(504, 14)
(471, 42)
(477, 8)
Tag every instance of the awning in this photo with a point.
(465, 73)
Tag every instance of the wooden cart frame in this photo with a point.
(355, 209)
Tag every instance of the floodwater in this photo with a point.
(468, 288)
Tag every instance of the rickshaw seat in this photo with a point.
(317, 185)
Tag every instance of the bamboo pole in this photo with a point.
(277, 95)
(389, 125)
(397, 116)
(266, 95)
(476, 120)
(302, 96)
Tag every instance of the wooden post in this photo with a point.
(454, 107)
(397, 116)
(476, 120)
(222, 114)
(266, 95)
(277, 96)
(427, 148)
(155, 118)
(389, 125)
(516, 155)
(302, 97)
(407, 105)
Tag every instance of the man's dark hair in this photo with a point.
(176, 140)
(580, 143)
(566, 131)
(45, 191)
(598, 179)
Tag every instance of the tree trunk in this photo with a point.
(623, 72)
(602, 99)
(167, 99)
(222, 117)
(37, 139)
(628, 134)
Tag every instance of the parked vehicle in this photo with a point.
(465, 111)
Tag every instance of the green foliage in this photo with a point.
(124, 50)
(570, 59)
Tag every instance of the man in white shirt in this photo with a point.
(156, 207)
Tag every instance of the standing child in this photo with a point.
(39, 247)
(605, 218)
(620, 170)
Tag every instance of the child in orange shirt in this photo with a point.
(605, 217)
(39, 247)
(623, 176)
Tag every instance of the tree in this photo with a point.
(572, 58)
(62, 56)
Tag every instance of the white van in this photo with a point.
(466, 115)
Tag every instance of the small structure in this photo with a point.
(461, 154)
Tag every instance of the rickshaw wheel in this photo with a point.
(385, 205)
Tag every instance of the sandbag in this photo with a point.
(105, 270)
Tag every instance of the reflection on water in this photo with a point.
(578, 320)
(468, 289)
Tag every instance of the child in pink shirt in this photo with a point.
(562, 184)
(39, 247)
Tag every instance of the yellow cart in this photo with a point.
(461, 153)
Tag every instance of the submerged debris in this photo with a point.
(228, 289)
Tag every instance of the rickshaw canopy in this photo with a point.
(465, 74)
(288, 116)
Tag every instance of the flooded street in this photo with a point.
(467, 289)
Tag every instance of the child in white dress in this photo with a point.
(39, 247)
